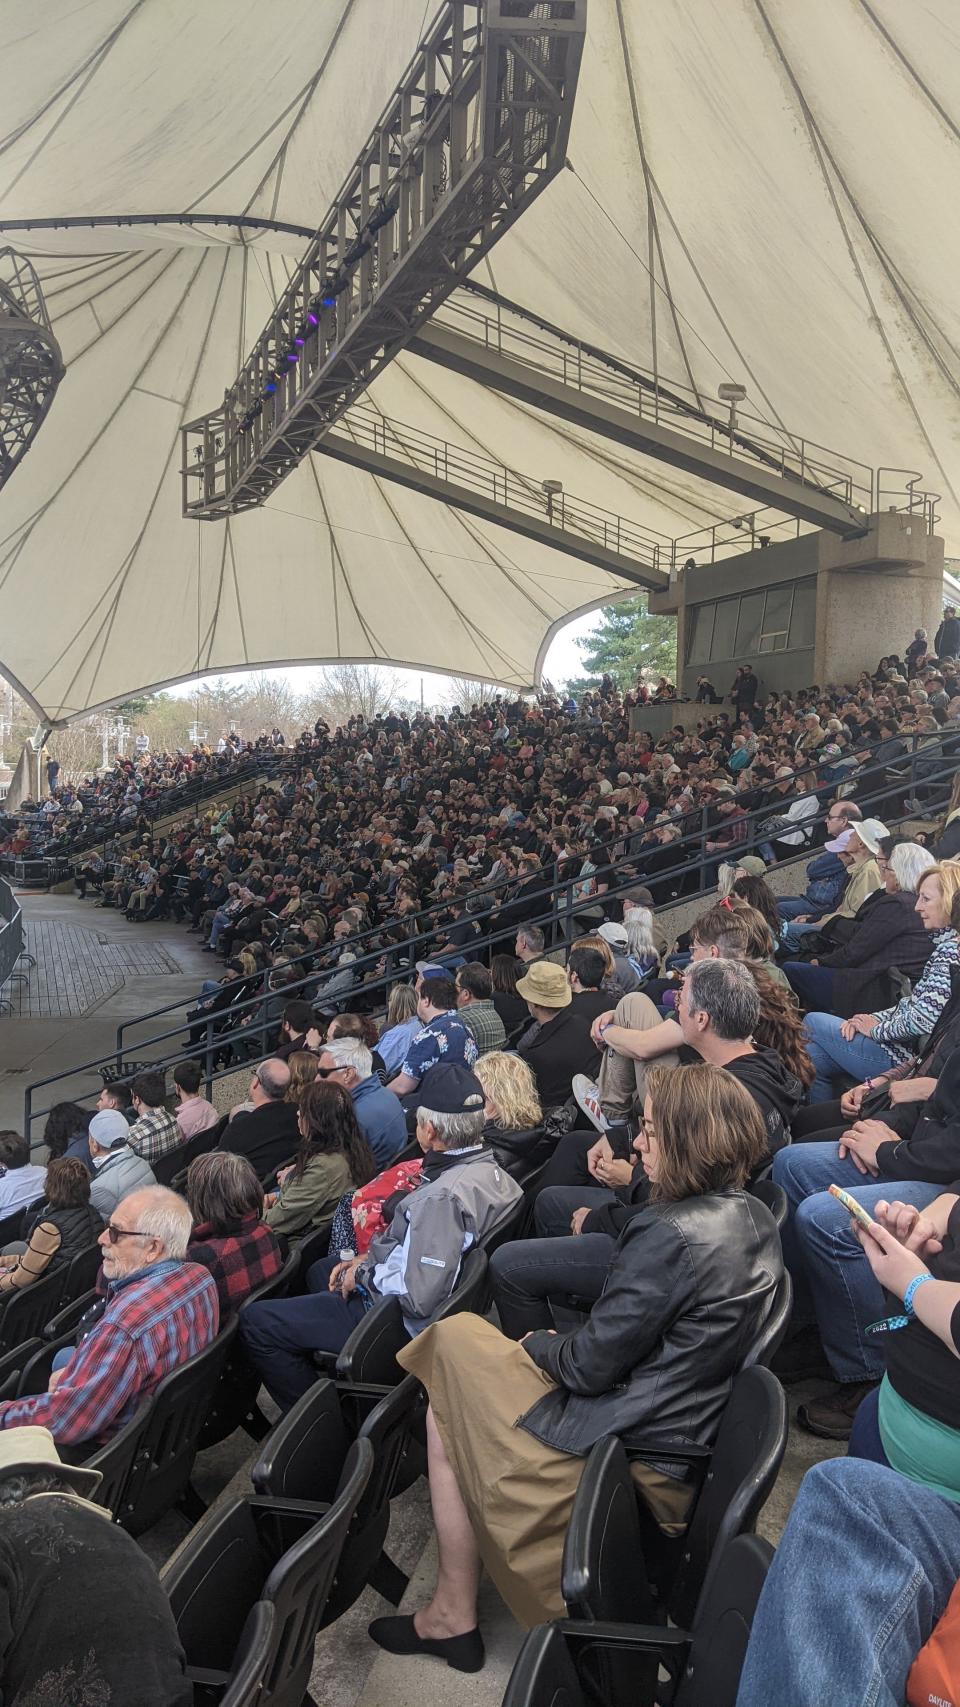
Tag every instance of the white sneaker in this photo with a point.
(587, 1097)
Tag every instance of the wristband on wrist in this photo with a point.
(910, 1293)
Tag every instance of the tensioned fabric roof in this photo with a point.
(758, 190)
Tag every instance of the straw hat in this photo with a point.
(545, 984)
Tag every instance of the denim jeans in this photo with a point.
(813, 984)
(281, 1337)
(835, 1059)
(793, 936)
(833, 1282)
(529, 1272)
(789, 906)
(864, 1570)
(556, 1206)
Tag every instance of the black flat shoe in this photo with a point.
(399, 1636)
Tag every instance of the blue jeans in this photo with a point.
(836, 1060)
(813, 984)
(833, 1282)
(793, 936)
(864, 1570)
(281, 1337)
(865, 1439)
(789, 906)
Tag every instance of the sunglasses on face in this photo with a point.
(115, 1234)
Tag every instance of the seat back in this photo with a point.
(234, 1401)
(25, 1313)
(79, 1275)
(470, 1292)
(602, 1575)
(312, 1247)
(301, 1459)
(172, 1436)
(775, 1198)
(12, 1363)
(370, 1353)
(70, 1316)
(746, 1460)
(116, 1460)
(214, 1580)
(505, 1229)
(167, 1166)
(771, 1334)
(252, 1657)
(544, 1674)
(711, 1677)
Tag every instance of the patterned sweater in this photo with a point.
(916, 1015)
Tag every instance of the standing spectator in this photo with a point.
(917, 649)
(946, 641)
(745, 689)
(155, 1132)
(194, 1113)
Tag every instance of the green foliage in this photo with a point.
(626, 640)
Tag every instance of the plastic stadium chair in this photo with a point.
(312, 1248)
(252, 1658)
(23, 1314)
(161, 1475)
(770, 1337)
(235, 1400)
(302, 1461)
(70, 1316)
(774, 1197)
(618, 1565)
(261, 1550)
(79, 1275)
(566, 1664)
(506, 1229)
(12, 1225)
(12, 1365)
(116, 1460)
(370, 1354)
(166, 1167)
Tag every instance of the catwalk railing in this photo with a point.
(11, 937)
(561, 906)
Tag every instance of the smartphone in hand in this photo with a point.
(851, 1205)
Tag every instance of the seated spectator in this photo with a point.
(348, 1062)
(947, 844)
(399, 1028)
(687, 1288)
(887, 932)
(155, 1132)
(476, 1009)
(268, 1133)
(826, 876)
(511, 1105)
(586, 970)
(65, 1133)
(724, 1006)
(558, 1044)
(443, 1037)
(505, 969)
(530, 944)
(872, 1043)
(62, 1227)
(229, 1237)
(788, 832)
(117, 1170)
(297, 1021)
(303, 1064)
(856, 847)
(158, 1311)
(862, 1573)
(333, 1158)
(418, 1260)
(56, 1552)
(364, 1028)
(634, 947)
(117, 1095)
(21, 1181)
(194, 1112)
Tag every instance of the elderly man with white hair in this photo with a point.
(158, 1311)
(348, 1062)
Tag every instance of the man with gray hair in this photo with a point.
(348, 1062)
(157, 1312)
(530, 944)
(463, 1194)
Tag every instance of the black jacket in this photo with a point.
(775, 1090)
(946, 641)
(690, 1287)
(557, 1050)
(887, 931)
(268, 1136)
(931, 1150)
(947, 845)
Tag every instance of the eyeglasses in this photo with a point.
(115, 1234)
(327, 1072)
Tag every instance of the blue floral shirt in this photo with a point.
(445, 1039)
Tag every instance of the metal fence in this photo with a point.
(11, 940)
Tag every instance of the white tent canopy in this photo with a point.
(758, 190)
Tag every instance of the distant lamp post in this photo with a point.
(552, 489)
(732, 393)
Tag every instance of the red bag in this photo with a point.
(934, 1679)
(367, 1203)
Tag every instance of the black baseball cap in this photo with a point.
(451, 1089)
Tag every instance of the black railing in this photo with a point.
(11, 938)
(562, 905)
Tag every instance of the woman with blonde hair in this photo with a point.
(399, 1028)
(688, 1288)
(867, 1045)
(514, 1118)
(303, 1071)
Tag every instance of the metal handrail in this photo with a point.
(560, 912)
(11, 931)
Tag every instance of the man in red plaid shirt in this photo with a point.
(158, 1311)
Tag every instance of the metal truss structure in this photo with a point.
(31, 366)
(475, 131)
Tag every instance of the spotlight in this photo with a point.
(269, 389)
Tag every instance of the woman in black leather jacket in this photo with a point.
(691, 1286)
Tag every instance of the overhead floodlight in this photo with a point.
(732, 392)
(551, 489)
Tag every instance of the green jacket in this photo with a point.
(308, 1202)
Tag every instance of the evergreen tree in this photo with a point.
(626, 640)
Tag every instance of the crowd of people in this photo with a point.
(642, 1100)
